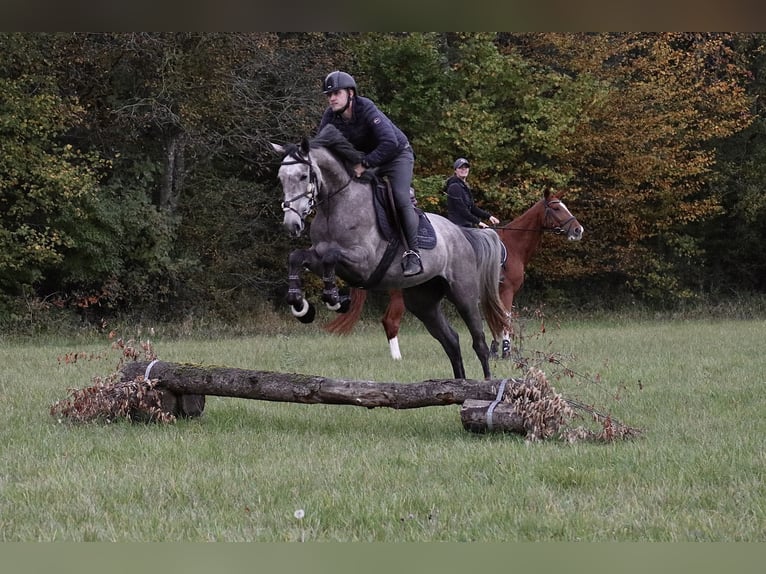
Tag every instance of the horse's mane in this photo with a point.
(331, 138)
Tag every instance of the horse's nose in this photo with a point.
(577, 233)
(293, 225)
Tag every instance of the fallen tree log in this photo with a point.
(182, 381)
(162, 391)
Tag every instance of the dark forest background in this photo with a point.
(137, 180)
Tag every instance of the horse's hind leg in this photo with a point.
(471, 314)
(424, 301)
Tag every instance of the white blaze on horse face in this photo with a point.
(575, 231)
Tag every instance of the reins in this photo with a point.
(556, 230)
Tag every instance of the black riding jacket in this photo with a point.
(461, 209)
(370, 131)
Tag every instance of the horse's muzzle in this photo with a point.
(293, 226)
(576, 233)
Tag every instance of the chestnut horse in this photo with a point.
(522, 238)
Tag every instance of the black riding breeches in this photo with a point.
(399, 172)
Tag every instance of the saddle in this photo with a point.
(387, 220)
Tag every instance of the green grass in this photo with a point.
(241, 471)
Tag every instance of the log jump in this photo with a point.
(524, 406)
(158, 391)
(195, 380)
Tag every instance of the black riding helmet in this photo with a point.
(338, 80)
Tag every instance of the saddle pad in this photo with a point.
(426, 233)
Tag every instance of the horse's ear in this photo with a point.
(547, 192)
(278, 148)
(305, 146)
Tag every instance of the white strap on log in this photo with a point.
(149, 368)
(492, 406)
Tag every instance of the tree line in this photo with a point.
(137, 178)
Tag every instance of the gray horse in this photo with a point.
(464, 265)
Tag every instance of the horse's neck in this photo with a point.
(341, 195)
(528, 235)
(334, 174)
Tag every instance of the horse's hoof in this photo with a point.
(506, 349)
(345, 304)
(342, 306)
(309, 316)
(305, 314)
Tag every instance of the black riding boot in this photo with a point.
(411, 264)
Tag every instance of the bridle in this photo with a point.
(559, 227)
(312, 188)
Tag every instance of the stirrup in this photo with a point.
(411, 252)
(415, 266)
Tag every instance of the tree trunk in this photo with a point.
(174, 171)
(183, 380)
(476, 417)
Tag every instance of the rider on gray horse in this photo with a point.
(383, 145)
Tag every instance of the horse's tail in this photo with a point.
(344, 323)
(489, 256)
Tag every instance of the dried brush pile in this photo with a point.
(546, 414)
(109, 399)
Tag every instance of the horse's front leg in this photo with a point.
(330, 294)
(299, 306)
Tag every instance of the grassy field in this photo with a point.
(259, 471)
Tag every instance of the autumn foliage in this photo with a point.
(137, 175)
(642, 153)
